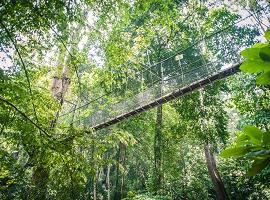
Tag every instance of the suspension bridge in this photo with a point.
(211, 58)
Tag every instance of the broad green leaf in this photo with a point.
(267, 35)
(265, 54)
(263, 79)
(241, 139)
(254, 134)
(257, 166)
(259, 45)
(266, 138)
(235, 151)
(251, 53)
(261, 153)
(252, 66)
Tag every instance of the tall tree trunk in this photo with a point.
(40, 178)
(158, 137)
(41, 173)
(95, 190)
(117, 193)
(123, 160)
(157, 150)
(184, 185)
(214, 174)
(108, 182)
(209, 157)
(96, 178)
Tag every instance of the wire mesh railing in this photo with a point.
(205, 58)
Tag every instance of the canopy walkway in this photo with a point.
(146, 104)
(210, 58)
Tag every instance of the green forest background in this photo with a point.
(169, 152)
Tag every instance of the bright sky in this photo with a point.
(5, 62)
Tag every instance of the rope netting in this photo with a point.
(210, 56)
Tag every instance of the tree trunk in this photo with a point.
(184, 172)
(95, 191)
(158, 138)
(95, 185)
(108, 182)
(117, 194)
(40, 178)
(157, 150)
(123, 160)
(214, 174)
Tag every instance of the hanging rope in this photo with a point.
(24, 115)
(24, 68)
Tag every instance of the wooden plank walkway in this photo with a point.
(171, 96)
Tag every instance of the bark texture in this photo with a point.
(157, 150)
(214, 174)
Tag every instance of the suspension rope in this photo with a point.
(24, 68)
(145, 101)
(170, 57)
(24, 115)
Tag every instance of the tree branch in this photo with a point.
(23, 114)
(24, 68)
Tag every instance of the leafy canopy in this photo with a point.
(252, 143)
(257, 60)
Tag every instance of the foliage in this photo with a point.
(253, 144)
(148, 197)
(45, 152)
(257, 60)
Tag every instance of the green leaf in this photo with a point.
(257, 166)
(254, 134)
(242, 139)
(259, 45)
(235, 151)
(261, 153)
(267, 34)
(252, 66)
(251, 53)
(263, 79)
(265, 54)
(266, 138)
